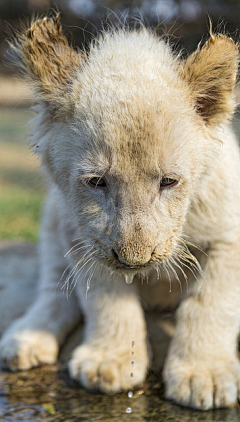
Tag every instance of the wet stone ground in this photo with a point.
(48, 394)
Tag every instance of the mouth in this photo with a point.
(122, 266)
(129, 271)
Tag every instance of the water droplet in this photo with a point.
(128, 278)
(130, 394)
(128, 410)
(131, 375)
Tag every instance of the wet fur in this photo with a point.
(134, 113)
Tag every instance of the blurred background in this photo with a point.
(22, 186)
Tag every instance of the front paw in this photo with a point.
(28, 348)
(100, 369)
(202, 385)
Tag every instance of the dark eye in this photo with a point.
(96, 182)
(167, 182)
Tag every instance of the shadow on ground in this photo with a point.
(48, 394)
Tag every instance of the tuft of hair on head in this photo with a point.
(211, 72)
(45, 57)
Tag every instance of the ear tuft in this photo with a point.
(47, 59)
(211, 73)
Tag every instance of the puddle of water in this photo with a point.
(48, 395)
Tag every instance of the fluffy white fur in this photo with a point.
(137, 117)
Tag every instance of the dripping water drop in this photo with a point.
(128, 278)
(133, 345)
(130, 393)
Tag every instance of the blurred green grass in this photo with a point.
(21, 183)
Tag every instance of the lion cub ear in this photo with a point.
(46, 58)
(211, 73)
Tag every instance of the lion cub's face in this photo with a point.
(127, 135)
(131, 176)
(128, 169)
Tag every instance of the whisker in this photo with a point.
(188, 257)
(63, 274)
(70, 250)
(185, 264)
(74, 250)
(187, 242)
(85, 256)
(175, 274)
(177, 263)
(158, 270)
(168, 275)
(90, 277)
(79, 270)
(66, 284)
(73, 270)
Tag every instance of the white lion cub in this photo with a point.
(141, 166)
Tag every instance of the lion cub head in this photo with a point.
(127, 133)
